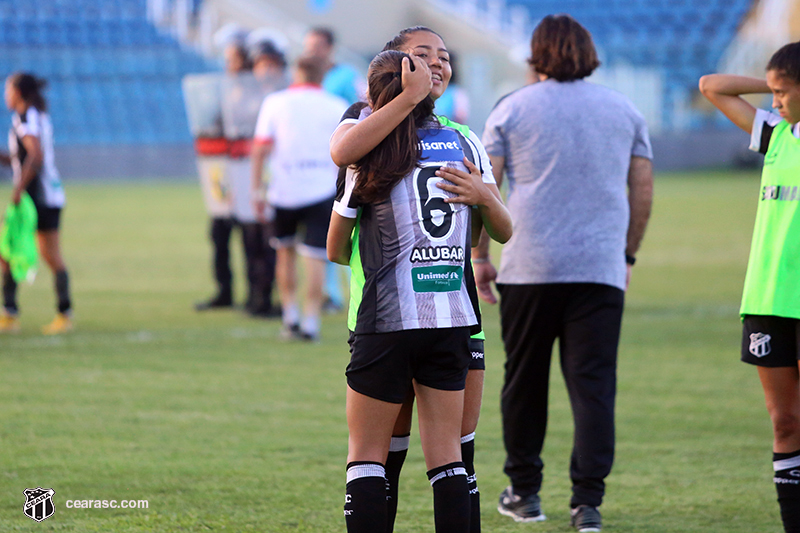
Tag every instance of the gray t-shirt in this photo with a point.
(567, 149)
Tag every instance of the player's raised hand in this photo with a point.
(417, 83)
(468, 188)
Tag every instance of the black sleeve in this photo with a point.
(353, 111)
(766, 135)
(341, 179)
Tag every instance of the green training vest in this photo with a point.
(772, 283)
(18, 239)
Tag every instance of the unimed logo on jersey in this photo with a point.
(441, 278)
(759, 344)
(39, 503)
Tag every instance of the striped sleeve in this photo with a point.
(29, 123)
(345, 203)
(485, 165)
(763, 125)
(352, 115)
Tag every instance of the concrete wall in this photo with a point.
(703, 149)
(126, 162)
(673, 152)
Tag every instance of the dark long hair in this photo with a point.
(398, 154)
(786, 62)
(563, 49)
(30, 89)
(400, 40)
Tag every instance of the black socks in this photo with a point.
(468, 456)
(62, 291)
(394, 463)
(365, 507)
(10, 293)
(372, 492)
(451, 505)
(787, 483)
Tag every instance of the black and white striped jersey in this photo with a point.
(411, 252)
(46, 188)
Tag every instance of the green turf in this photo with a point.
(223, 427)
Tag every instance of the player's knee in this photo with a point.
(785, 426)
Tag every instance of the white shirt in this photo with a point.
(298, 123)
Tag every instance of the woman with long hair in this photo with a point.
(412, 199)
(423, 42)
(33, 162)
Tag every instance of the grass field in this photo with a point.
(222, 427)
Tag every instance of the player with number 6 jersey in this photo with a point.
(426, 285)
(404, 220)
(426, 44)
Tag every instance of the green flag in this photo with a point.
(18, 239)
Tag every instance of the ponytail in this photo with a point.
(30, 89)
(398, 154)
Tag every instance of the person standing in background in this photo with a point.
(345, 82)
(32, 159)
(269, 70)
(292, 132)
(269, 65)
(242, 96)
(236, 62)
(340, 79)
(578, 160)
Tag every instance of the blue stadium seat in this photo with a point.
(685, 38)
(114, 78)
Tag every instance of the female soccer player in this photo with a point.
(771, 300)
(409, 188)
(426, 44)
(33, 162)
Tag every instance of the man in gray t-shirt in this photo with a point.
(578, 161)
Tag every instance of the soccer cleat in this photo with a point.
(290, 332)
(62, 323)
(9, 323)
(585, 518)
(295, 333)
(520, 508)
(308, 337)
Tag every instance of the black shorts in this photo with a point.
(382, 365)
(48, 218)
(771, 341)
(477, 361)
(315, 218)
